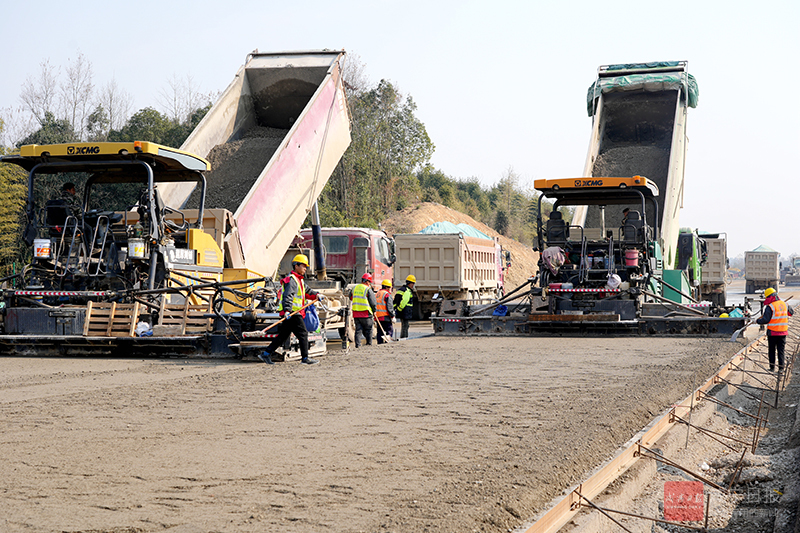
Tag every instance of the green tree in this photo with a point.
(13, 192)
(97, 124)
(145, 125)
(52, 131)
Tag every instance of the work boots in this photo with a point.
(308, 361)
(266, 357)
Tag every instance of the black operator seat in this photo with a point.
(557, 229)
(632, 229)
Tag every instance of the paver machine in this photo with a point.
(599, 273)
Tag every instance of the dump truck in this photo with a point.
(761, 269)
(715, 278)
(791, 278)
(617, 267)
(448, 266)
(142, 265)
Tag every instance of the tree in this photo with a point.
(180, 98)
(97, 124)
(117, 105)
(38, 95)
(52, 131)
(76, 93)
(145, 125)
(13, 192)
(501, 222)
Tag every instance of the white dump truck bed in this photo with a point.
(273, 138)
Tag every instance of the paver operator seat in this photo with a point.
(557, 229)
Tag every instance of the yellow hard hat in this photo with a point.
(300, 258)
(411, 278)
(769, 292)
(386, 283)
(724, 315)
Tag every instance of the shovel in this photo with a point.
(261, 332)
(384, 333)
(750, 322)
(738, 331)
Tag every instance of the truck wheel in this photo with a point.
(748, 287)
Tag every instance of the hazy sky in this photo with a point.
(498, 84)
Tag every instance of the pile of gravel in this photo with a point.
(236, 165)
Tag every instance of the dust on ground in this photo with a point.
(524, 261)
(430, 434)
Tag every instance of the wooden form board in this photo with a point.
(567, 507)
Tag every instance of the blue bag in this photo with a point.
(311, 319)
(500, 310)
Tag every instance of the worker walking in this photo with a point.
(384, 313)
(292, 298)
(776, 318)
(364, 307)
(404, 303)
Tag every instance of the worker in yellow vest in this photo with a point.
(776, 317)
(364, 307)
(384, 314)
(292, 299)
(404, 304)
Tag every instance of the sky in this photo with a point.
(499, 85)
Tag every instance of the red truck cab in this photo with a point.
(349, 252)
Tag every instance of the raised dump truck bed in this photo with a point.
(639, 128)
(273, 139)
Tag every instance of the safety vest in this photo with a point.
(779, 323)
(382, 310)
(300, 296)
(360, 301)
(407, 295)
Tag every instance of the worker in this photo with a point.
(384, 313)
(292, 302)
(364, 307)
(776, 317)
(625, 216)
(404, 303)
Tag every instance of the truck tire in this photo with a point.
(748, 287)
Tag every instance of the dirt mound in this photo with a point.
(412, 219)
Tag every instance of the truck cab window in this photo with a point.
(336, 244)
(382, 251)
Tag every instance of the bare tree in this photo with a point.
(38, 94)
(180, 98)
(76, 93)
(17, 124)
(117, 104)
(354, 75)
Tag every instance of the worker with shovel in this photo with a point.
(776, 317)
(384, 314)
(293, 296)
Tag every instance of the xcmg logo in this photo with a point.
(588, 183)
(82, 150)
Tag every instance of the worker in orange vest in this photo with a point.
(385, 311)
(292, 299)
(776, 317)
